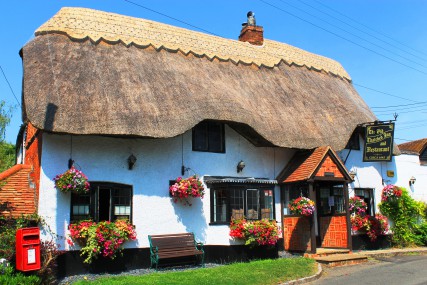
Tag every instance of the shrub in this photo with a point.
(255, 233)
(49, 251)
(9, 277)
(421, 234)
(404, 212)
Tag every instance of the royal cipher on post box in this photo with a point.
(28, 249)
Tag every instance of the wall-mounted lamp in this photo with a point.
(131, 161)
(240, 166)
(412, 181)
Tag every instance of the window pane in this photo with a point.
(80, 207)
(215, 137)
(267, 204)
(220, 205)
(339, 199)
(252, 204)
(122, 203)
(200, 137)
(324, 206)
(236, 204)
(121, 210)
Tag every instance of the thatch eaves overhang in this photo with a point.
(91, 72)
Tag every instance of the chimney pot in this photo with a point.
(251, 32)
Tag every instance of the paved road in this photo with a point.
(399, 270)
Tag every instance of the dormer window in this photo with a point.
(208, 136)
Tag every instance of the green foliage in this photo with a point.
(8, 227)
(7, 155)
(4, 119)
(9, 277)
(405, 214)
(7, 150)
(421, 234)
(49, 251)
(276, 271)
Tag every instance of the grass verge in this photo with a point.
(271, 271)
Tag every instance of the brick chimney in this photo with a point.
(251, 32)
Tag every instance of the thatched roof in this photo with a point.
(90, 72)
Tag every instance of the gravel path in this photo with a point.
(136, 272)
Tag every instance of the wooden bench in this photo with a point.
(172, 246)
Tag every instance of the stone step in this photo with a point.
(326, 252)
(341, 259)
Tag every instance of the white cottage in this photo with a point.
(102, 89)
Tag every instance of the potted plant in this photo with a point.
(186, 188)
(100, 239)
(302, 206)
(357, 206)
(372, 226)
(72, 180)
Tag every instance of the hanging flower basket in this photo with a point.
(302, 206)
(186, 188)
(357, 206)
(391, 193)
(72, 180)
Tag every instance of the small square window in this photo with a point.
(208, 136)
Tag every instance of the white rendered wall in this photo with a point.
(158, 161)
(408, 166)
(368, 174)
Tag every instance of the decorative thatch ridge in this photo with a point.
(82, 23)
(81, 86)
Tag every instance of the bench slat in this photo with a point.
(172, 246)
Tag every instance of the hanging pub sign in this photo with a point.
(379, 142)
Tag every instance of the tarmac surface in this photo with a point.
(374, 256)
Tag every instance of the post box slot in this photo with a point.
(31, 239)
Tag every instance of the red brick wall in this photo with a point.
(253, 35)
(16, 194)
(33, 154)
(296, 233)
(333, 231)
(329, 166)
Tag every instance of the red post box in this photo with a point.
(28, 249)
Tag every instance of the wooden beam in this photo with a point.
(312, 196)
(347, 212)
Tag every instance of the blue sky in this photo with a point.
(381, 43)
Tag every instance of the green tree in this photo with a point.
(7, 150)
